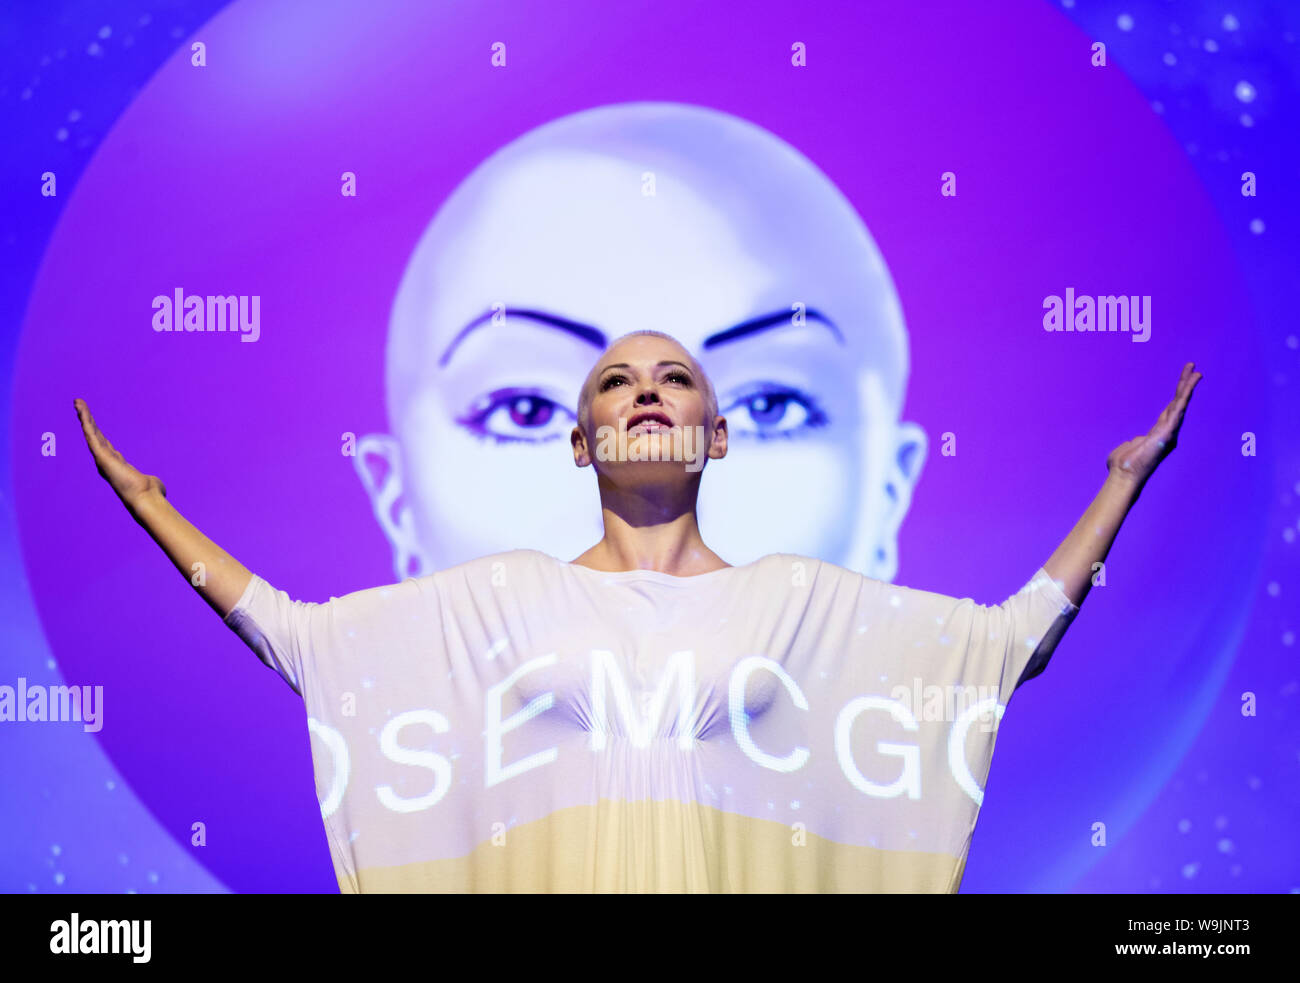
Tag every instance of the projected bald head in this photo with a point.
(657, 216)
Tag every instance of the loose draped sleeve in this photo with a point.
(331, 642)
(277, 628)
(948, 641)
(1032, 622)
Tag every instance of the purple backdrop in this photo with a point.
(225, 180)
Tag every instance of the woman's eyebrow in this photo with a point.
(659, 365)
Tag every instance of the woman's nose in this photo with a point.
(647, 395)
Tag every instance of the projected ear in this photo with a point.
(378, 463)
(904, 468)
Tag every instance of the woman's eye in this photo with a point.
(609, 382)
(515, 415)
(774, 412)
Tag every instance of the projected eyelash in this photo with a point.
(768, 406)
(522, 408)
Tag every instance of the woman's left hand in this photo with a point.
(1136, 460)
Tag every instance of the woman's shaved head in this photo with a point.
(584, 395)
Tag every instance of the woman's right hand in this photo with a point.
(129, 484)
(218, 576)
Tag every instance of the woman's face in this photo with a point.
(553, 256)
(647, 405)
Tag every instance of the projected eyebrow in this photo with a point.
(585, 332)
(598, 339)
(777, 319)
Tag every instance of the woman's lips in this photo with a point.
(648, 422)
(648, 427)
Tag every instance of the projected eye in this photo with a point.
(511, 415)
(774, 411)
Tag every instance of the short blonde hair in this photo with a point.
(584, 403)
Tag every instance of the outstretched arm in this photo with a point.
(145, 497)
(1128, 468)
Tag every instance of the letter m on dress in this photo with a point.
(607, 674)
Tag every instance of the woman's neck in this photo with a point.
(651, 536)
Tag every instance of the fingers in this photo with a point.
(93, 435)
(1187, 382)
(95, 438)
(1186, 397)
(1171, 418)
(1182, 396)
(87, 422)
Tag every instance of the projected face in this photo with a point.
(660, 216)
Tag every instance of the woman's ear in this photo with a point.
(581, 452)
(718, 445)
